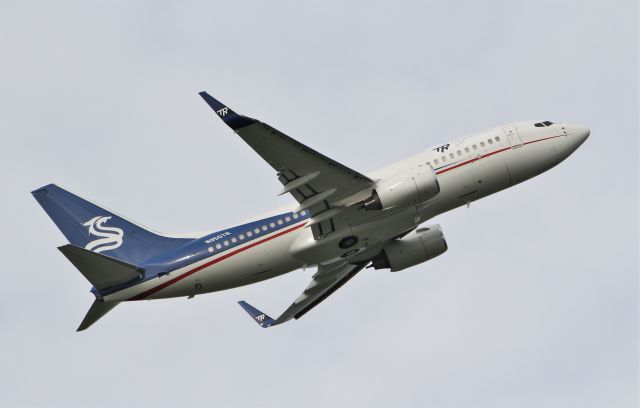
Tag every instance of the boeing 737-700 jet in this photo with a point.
(343, 220)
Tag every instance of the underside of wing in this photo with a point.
(325, 281)
(319, 184)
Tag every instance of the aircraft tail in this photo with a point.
(98, 309)
(96, 229)
(102, 271)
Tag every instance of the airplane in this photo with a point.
(342, 220)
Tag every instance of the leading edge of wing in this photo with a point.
(228, 116)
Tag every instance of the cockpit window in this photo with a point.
(539, 124)
(546, 122)
(543, 124)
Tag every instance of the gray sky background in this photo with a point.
(535, 303)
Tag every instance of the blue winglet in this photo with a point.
(232, 119)
(261, 318)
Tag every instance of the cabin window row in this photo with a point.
(466, 149)
(258, 230)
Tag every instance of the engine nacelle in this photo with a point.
(405, 189)
(416, 247)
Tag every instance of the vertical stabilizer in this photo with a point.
(97, 229)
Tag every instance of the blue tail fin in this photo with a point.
(88, 226)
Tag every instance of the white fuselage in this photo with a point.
(467, 169)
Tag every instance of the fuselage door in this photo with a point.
(512, 134)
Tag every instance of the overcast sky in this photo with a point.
(534, 305)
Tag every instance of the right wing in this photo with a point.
(318, 183)
(325, 281)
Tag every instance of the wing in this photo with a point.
(318, 183)
(325, 281)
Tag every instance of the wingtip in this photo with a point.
(211, 101)
(228, 116)
(259, 317)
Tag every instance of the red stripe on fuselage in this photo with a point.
(491, 154)
(153, 290)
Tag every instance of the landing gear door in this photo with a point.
(512, 134)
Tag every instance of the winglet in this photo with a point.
(232, 119)
(261, 318)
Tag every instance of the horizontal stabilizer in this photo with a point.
(97, 310)
(260, 318)
(102, 271)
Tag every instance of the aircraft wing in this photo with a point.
(325, 281)
(317, 182)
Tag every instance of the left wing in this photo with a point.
(325, 281)
(317, 182)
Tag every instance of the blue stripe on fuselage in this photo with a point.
(198, 249)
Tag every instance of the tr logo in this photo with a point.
(442, 148)
(111, 237)
(223, 112)
(260, 318)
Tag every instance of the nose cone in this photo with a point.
(579, 133)
(582, 133)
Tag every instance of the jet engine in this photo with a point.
(416, 247)
(403, 190)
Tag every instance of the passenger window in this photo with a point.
(264, 227)
(459, 153)
(218, 246)
(272, 225)
(475, 147)
(451, 155)
(241, 236)
(482, 144)
(303, 212)
(497, 138)
(428, 163)
(295, 216)
(466, 149)
(490, 141)
(436, 161)
(279, 222)
(257, 230)
(249, 233)
(287, 219)
(234, 240)
(444, 159)
(226, 243)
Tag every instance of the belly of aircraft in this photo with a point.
(255, 264)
